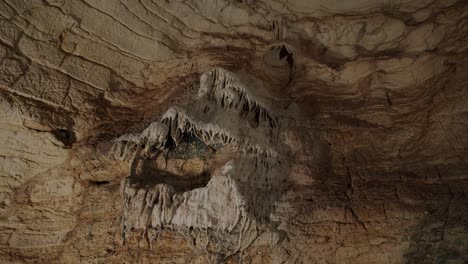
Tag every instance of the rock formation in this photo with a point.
(139, 131)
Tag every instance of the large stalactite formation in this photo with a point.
(220, 131)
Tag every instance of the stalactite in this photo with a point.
(227, 91)
(220, 205)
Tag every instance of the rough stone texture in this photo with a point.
(363, 103)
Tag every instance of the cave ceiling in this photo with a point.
(253, 131)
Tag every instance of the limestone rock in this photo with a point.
(233, 131)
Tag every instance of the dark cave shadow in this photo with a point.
(442, 236)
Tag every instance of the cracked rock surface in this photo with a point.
(254, 131)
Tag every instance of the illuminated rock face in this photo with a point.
(233, 131)
(227, 185)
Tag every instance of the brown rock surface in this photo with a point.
(265, 131)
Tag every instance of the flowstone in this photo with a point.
(224, 187)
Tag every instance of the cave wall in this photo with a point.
(369, 101)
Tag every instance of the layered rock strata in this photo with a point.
(233, 131)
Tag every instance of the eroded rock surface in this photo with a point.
(233, 131)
